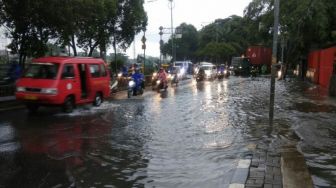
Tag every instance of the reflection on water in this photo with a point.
(190, 136)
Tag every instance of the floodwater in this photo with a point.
(190, 136)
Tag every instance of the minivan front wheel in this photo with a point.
(68, 105)
(98, 100)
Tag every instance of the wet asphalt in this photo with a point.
(190, 136)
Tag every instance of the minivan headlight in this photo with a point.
(20, 89)
(50, 91)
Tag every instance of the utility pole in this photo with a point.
(161, 43)
(172, 30)
(144, 49)
(274, 59)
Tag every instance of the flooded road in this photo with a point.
(191, 136)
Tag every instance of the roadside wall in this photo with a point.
(313, 66)
(320, 66)
(326, 66)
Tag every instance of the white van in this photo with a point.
(209, 70)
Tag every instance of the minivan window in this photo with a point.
(68, 71)
(42, 71)
(102, 70)
(94, 70)
(207, 68)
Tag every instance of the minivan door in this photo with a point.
(70, 82)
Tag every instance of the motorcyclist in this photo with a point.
(138, 78)
(221, 69)
(162, 75)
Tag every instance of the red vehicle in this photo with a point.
(63, 81)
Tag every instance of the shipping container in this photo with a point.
(320, 66)
(327, 57)
(259, 55)
(313, 66)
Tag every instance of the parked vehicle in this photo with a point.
(63, 81)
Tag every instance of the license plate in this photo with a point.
(30, 97)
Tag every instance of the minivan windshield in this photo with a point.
(207, 68)
(42, 71)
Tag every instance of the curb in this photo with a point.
(240, 175)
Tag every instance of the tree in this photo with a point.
(305, 24)
(186, 46)
(223, 38)
(26, 25)
(88, 24)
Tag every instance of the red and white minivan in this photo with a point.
(63, 81)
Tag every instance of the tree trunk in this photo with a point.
(92, 49)
(115, 52)
(73, 45)
(102, 52)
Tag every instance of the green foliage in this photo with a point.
(185, 46)
(88, 24)
(223, 39)
(304, 24)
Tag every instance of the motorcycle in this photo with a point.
(154, 79)
(223, 74)
(114, 86)
(200, 76)
(160, 85)
(254, 72)
(134, 88)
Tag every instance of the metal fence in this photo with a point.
(7, 90)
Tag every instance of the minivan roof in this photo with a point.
(61, 59)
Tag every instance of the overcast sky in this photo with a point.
(195, 12)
